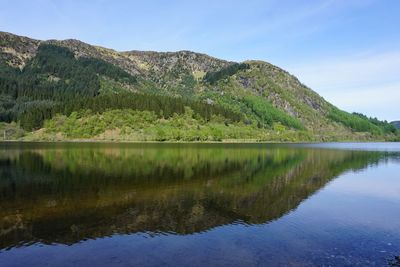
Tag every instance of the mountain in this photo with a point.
(396, 124)
(72, 90)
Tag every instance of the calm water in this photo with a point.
(199, 205)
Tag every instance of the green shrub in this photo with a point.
(355, 122)
(269, 115)
(213, 77)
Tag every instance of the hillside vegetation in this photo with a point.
(60, 90)
(396, 124)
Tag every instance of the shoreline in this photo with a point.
(193, 142)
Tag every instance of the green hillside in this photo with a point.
(60, 90)
(396, 124)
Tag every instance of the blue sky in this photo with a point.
(347, 51)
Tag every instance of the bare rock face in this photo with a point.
(283, 90)
(15, 50)
(174, 65)
(81, 49)
(209, 101)
(159, 67)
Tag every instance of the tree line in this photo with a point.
(54, 81)
(361, 123)
(214, 77)
(33, 115)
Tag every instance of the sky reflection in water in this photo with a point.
(163, 204)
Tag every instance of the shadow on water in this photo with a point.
(66, 193)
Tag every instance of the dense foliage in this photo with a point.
(360, 123)
(396, 124)
(164, 106)
(128, 124)
(56, 82)
(54, 75)
(213, 77)
(385, 126)
(269, 115)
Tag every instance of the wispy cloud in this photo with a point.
(368, 82)
(353, 72)
(380, 101)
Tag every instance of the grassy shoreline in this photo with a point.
(129, 126)
(239, 141)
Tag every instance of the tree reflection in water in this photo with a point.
(66, 193)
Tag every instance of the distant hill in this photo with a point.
(396, 124)
(75, 90)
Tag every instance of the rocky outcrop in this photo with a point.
(16, 50)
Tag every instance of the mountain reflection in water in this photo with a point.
(66, 193)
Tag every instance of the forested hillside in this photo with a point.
(396, 124)
(56, 90)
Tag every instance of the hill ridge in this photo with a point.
(264, 95)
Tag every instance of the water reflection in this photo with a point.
(66, 193)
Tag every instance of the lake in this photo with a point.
(99, 204)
